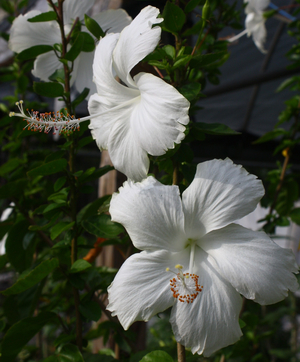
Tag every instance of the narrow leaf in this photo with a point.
(214, 128)
(59, 228)
(48, 16)
(93, 27)
(34, 277)
(48, 168)
(49, 89)
(79, 266)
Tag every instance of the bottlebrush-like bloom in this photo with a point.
(194, 258)
(145, 115)
(24, 35)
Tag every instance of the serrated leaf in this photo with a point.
(59, 228)
(48, 89)
(33, 52)
(157, 356)
(48, 16)
(79, 266)
(214, 128)
(34, 277)
(93, 27)
(102, 226)
(174, 18)
(21, 333)
(48, 168)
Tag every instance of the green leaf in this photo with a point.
(58, 76)
(271, 135)
(12, 189)
(79, 266)
(295, 215)
(48, 89)
(48, 16)
(83, 42)
(91, 310)
(157, 356)
(174, 18)
(34, 277)
(81, 97)
(92, 208)
(93, 27)
(59, 183)
(203, 60)
(33, 52)
(3, 261)
(48, 168)
(213, 128)
(102, 226)
(88, 42)
(9, 166)
(191, 5)
(21, 333)
(16, 254)
(190, 91)
(59, 228)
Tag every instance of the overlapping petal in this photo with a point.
(150, 211)
(256, 266)
(149, 117)
(220, 193)
(212, 321)
(141, 288)
(45, 65)
(75, 9)
(136, 41)
(24, 35)
(255, 25)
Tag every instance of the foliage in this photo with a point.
(57, 291)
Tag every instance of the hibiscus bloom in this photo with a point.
(255, 22)
(194, 258)
(145, 115)
(24, 35)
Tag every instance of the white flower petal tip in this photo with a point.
(255, 22)
(194, 258)
(145, 116)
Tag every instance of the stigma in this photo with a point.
(184, 286)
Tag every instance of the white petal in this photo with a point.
(73, 9)
(113, 21)
(255, 25)
(256, 266)
(45, 65)
(141, 288)
(112, 93)
(136, 41)
(83, 76)
(151, 213)
(24, 34)
(211, 322)
(158, 119)
(256, 6)
(220, 193)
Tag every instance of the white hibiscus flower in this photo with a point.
(24, 35)
(213, 259)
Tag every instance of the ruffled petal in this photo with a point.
(113, 21)
(141, 288)
(255, 25)
(110, 92)
(220, 194)
(24, 35)
(256, 6)
(136, 41)
(254, 265)
(45, 65)
(157, 120)
(151, 213)
(73, 9)
(211, 322)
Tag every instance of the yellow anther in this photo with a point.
(178, 266)
(167, 269)
(11, 114)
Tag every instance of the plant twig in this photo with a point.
(180, 353)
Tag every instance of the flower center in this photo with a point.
(184, 286)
